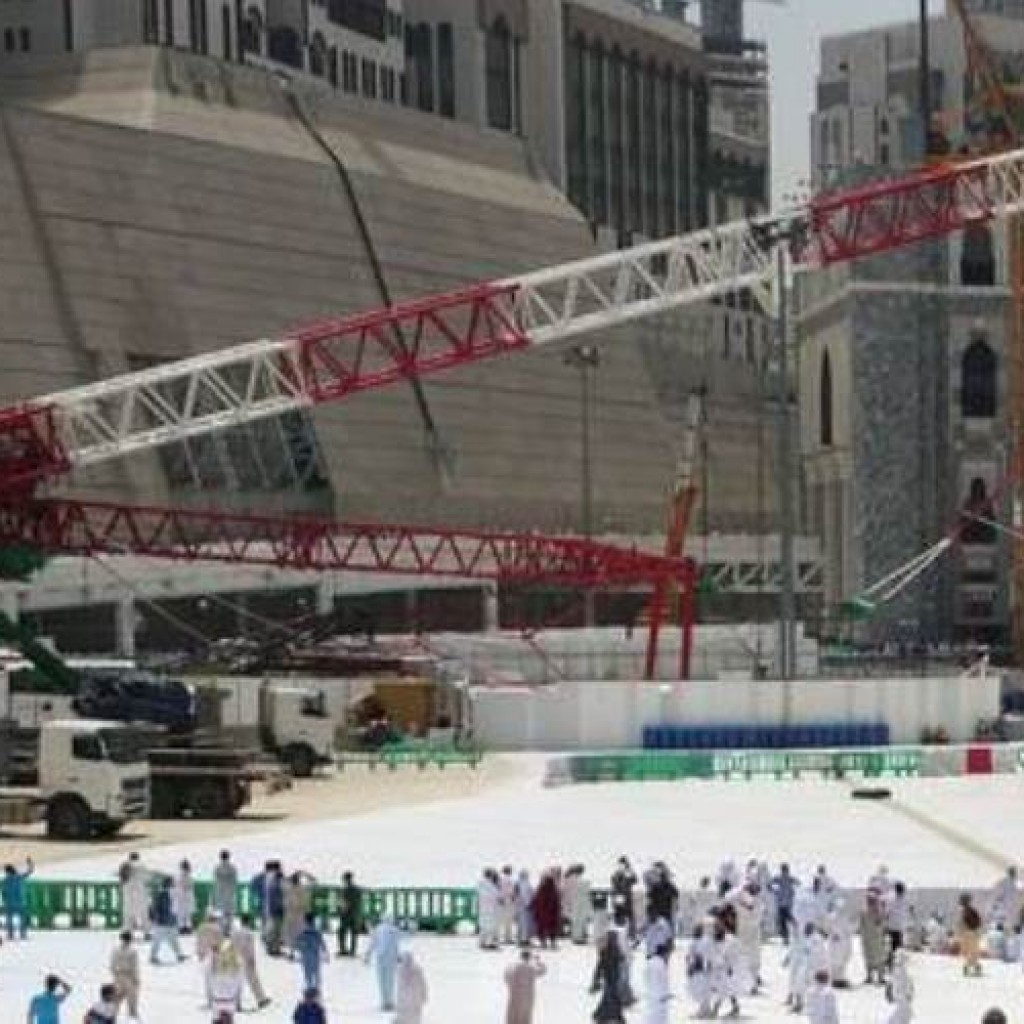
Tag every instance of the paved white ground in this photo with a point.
(951, 832)
(936, 833)
(466, 987)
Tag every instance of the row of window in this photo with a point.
(636, 141)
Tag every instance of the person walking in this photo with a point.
(547, 911)
(165, 927)
(608, 981)
(1004, 904)
(821, 1006)
(969, 928)
(14, 889)
(874, 940)
(44, 1007)
(104, 1010)
(312, 952)
(310, 1010)
(383, 950)
(580, 906)
(273, 934)
(488, 899)
(900, 991)
(525, 928)
(134, 879)
(243, 938)
(783, 888)
(225, 981)
(657, 994)
(298, 899)
(411, 994)
(208, 938)
(225, 887)
(897, 919)
(521, 982)
(183, 898)
(124, 972)
(622, 881)
(350, 920)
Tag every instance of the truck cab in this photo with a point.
(296, 725)
(92, 775)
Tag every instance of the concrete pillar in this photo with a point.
(124, 626)
(492, 609)
(9, 602)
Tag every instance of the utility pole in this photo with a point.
(586, 359)
(786, 477)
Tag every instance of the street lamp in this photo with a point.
(586, 359)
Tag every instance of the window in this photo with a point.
(598, 141)
(825, 426)
(498, 75)
(615, 153)
(318, 56)
(149, 22)
(225, 31)
(349, 72)
(576, 121)
(369, 79)
(634, 155)
(979, 514)
(978, 381)
(25, 36)
(367, 17)
(197, 26)
(977, 258)
(87, 747)
(387, 84)
(422, 41)
(69, 27)
(883, 154)
(252, 31)
(284, 45)
(332, 67)
(9, 44)
(650, 129)
(445, 70)
(168, 22)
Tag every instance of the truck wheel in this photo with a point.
(209, 802)
(300, 760)
(67, 817)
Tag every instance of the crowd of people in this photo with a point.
(719, 930)
(703, 944)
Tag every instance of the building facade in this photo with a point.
(903, 358)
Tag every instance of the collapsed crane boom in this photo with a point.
(89, 528)
(331, 360)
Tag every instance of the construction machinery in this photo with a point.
(684, 499)
(92, 777)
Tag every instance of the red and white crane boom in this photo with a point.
(330, 360)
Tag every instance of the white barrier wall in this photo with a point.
(576, 715)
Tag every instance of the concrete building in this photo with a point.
(165, 199)
(903, 359)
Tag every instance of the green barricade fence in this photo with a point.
(97, 905)
(680, 765)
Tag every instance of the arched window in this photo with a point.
(977, 258)
(825, 427)
(252, 31)
(978, 380)
(318, 55)
(978, 515)
(498, 72)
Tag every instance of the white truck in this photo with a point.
(296, 726)
(92, 778)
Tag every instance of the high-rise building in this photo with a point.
(903, 358)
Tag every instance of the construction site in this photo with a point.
(409, 405)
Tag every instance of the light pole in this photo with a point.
(586, 359)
